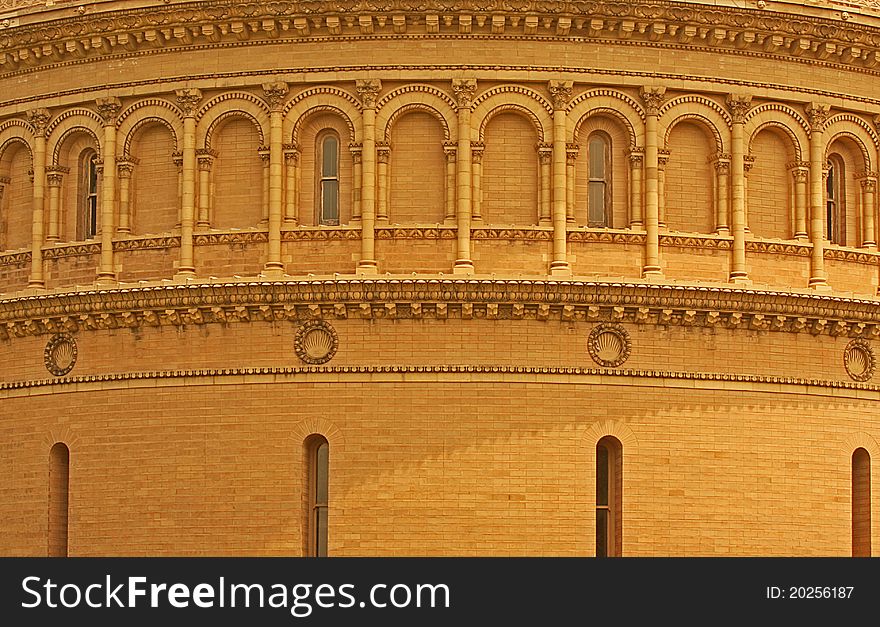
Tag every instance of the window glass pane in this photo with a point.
(601, 533)
(330, 202)
(829, 183)
(601, 476)
(321, 529)
(322, 463)
(597, 158)
(330, 151)
(597, 203)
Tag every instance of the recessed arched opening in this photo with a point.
(609, 497)
(59, 499)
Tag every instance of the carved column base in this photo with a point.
(272, 271)
(560, 269)
(463, 266)
(367, 266)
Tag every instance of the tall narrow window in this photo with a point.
(59, 482)
(599, 193)
(835, 202)
(329, 182)
(609, 472)
(318, 455)
(861, 503)
(87, 221)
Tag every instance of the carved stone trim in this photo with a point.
(316, 342)
(609, 345)
(60, 354)
(859, 360)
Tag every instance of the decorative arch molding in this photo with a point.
(225, 106)
(514, 108)
(15, 135)
(18, 123)
(783, 117)
(353, 132)
(417, 88)
(309, 100)
(154, 104)
(134, 125)
(317, 426)
(217, 122)
(855, 128)
(85, 116)
(696, 104)
(399, 112)
(58, 142)
(614, 428)
(616, 115)
(707, 123)
(788, 131)
(63, 434)
(325, 93)
(519, 90)
(858, 440)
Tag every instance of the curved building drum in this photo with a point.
(323, 278)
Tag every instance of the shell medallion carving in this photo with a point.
(60, 354)
(609, 345)
(859, 361)
(316, 342)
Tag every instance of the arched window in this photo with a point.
(328, 183)
(861, 503)
(317, 478)
(59, 483)
(87, 202)
(609, 493)
(599, 192)
(835, 202)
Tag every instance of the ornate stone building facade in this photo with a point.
(433, 278)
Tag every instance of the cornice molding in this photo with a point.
(104, 31)
(179, 305)
(543, 374)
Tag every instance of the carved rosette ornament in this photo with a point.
(859, 360)
(609, 345)
(316, 342)
(60, 354)
(464, 90)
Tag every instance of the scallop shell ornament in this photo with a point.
(316, 342)
(609, 345)
(858, 359)
(60, 354)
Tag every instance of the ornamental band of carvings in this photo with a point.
(859, 360)
(60, 354)
(316, 342)
(609, 345)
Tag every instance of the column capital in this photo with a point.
(464, 90)
(545, 153)
(264, 153)
(653, 97)
(800, 170)
(449, 149)
(383, 152)
(748, 163)
(188, 100)
(5, 180)
(477, 149)
(275, 94)
(177, 158)
(108, 109)
(662, 158)
(368, 91)
(817, 114)
(125, 169)
(206, 154)
(39, 119)
(560, 93)
(739, 105)
(572, 150)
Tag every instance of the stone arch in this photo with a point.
(59, 433)
(859, 131)
(511, 98)
(14, 135)
(780, 116)
(147, 112)
(73, 121)
(614, 428)
(234, 104)
(707, 113)
(322, 99)
(417, 98)
(317, 426)
(610, 103)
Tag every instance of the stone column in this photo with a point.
(449, 150)
(263, 153)
(560, 95)
(800, 171)
(54, 179)
(275, 94)
(545, 158)
(368, 90)
(357, 181)
(205, 158)
(571, 155)
(817, 114)
(636, 161)
(662, 161)
(4, 227)
(653, 98)
(748, 164)
(739, 105)
(188, 100)
(464, 89)
(722, 194)
(39, 120)
(868, 181)
(291, 185)
(124, 170)
(109, 110)
(477, 178)
(383, 159)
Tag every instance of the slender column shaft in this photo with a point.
(559, 266)
(464, 91)
(276, 157)
(636, 218)
(124, 171)
(188, 99)
(368, 90)
(653, 98)
(449, 214)
(869, 237)
(54, 180)
(818, 114)
(800, 173)
(477, 178)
